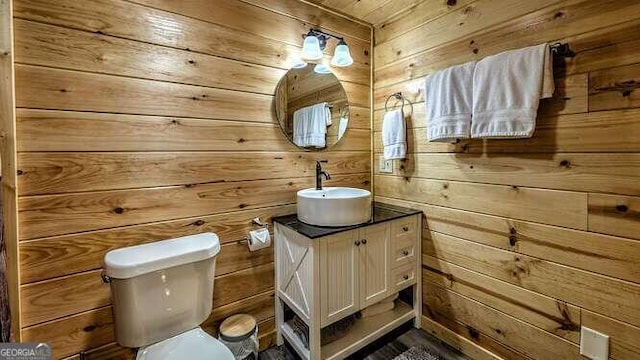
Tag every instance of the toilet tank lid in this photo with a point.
(141, 259)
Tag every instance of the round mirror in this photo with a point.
(312, 108)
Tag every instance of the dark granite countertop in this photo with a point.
(381, 213)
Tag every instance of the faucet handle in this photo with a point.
(321, 161)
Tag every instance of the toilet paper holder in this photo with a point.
(260, 237)
(257, 223)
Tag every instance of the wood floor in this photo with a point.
(386, 348)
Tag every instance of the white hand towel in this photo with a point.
(299, 127)
(327, 114)
(507, 89)
(394, 135)
(310, 126)
(342, 127)
(448, 103)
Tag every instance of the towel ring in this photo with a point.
(397, 96)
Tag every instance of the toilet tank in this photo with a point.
(161, 289)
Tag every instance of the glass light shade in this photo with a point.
(298, 63)
(311, 48)
(322, 69)
(341, 56)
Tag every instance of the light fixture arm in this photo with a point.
(323, 37)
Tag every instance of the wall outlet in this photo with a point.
(386, 166)
(594, 344)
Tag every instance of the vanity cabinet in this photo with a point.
(354, 271)
(326, 274)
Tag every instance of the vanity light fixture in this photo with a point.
(311, 49)
(342, 56)
(315, 41)
(322, 69)
(298, 64)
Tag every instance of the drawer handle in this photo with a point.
(405, 253)
(364, 241)
(406, 277)
(357, 243)
(405, 228)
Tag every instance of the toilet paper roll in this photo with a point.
(259, 239)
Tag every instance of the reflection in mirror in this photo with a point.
(312, 108)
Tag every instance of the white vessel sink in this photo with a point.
(334, 206)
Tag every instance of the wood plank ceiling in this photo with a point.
(374, 12)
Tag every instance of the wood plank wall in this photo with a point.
(525, 240)
(9, 203)
(148, 119)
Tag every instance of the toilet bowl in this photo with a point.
(161, 293)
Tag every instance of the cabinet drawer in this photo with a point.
(403, 277)
(403, 227)
(403, 250)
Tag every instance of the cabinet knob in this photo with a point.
(364, 241)
(405, 228)
(357, 242)
(405, 253)
(406, 277)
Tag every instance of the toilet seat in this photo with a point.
(194, 344)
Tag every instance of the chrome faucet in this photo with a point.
(320, 173)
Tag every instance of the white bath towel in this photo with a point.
(310, 126)
(394, 135)
(342, 127)
(507, 89)
(448, 103)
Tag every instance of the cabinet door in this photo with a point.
(375, 263)
(339, 276)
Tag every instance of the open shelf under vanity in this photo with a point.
(363, 332)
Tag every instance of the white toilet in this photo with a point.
(161, 293)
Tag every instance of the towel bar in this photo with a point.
(562, 49)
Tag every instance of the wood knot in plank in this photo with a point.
(622, 208)
(623, 87)
(118, 210)
(475, 334)
(198, 223)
